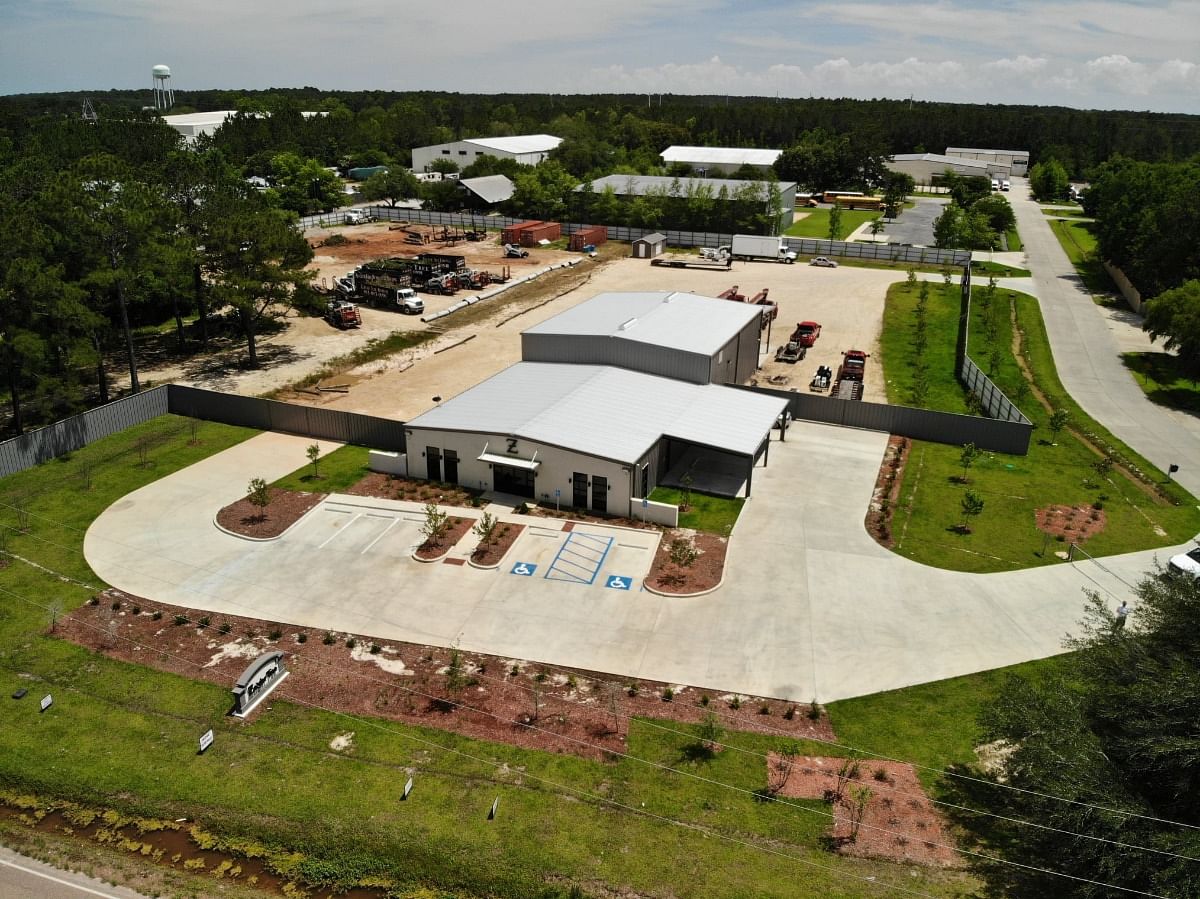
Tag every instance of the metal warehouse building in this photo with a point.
(720, 160)
(926, 168)
(593, 436)
(527, 149)
(676, 335)
(1004, 162)
(613, 397)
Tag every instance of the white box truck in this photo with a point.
(754, 246)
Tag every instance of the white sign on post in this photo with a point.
(407, 789)
(206, 739)
(47, 701)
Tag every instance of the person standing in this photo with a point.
(1122, 614)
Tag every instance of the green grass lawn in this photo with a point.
(340, 469)
(1077, 212)
(123, 736)
(710, 514)
(1056, 471)
(981, 267)
(1161, 378)
(1079, 243)
(816, 223)
(1015, 244)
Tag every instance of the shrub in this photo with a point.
(668, 694)
(735, 703)
(204, 621)
(376, 649)
(181, 619)
(790, 713)
(157, 616)
(764, 709)
(881, 775)
(632, 689)
(136, 610)
(814, 710)
(302, 637)
(704, 700)
(329, 638)
(225, 627)
(351, 642)
(116, 606)
(275, 633)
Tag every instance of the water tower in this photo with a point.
(164, 97)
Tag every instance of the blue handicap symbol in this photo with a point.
(525, 569)
(619, 582)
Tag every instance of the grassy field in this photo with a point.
(816, 223)
(1015, 243)
(711, 514)
(1057, 470)
(1077, 212)
(342, 468)
(1161, 378)
(131, 734)
(1079, 243)
(999, 270)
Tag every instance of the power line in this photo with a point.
(564, 788)
(662, 767)
(813, 738)
(833, 743)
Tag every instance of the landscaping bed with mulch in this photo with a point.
(583, 515)
(577, 712)
(880, 809)
(456, 529)
(386, 486)
(887, 490)
(704, 572)
(1072, 524)
(489, 556)
(285, 509)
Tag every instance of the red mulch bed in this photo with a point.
(506, 536)
(575, 715)
(1074, 523)
(887, 490)
(458, 528)
(703, 574)
(583, 515)
(899, 823)
(386, 486)
(285, 509)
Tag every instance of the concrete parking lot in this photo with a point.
(811, 606)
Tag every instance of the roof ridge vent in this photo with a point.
(626, 325)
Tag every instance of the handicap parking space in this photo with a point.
(586, 556)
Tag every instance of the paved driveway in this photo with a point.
(1087, 341)
(811, 606)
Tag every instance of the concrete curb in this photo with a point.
(713, 589)
(280, 535)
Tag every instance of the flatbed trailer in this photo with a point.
(693, 262)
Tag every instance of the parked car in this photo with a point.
(1005, 184)
(824, 262)
(1187, 563)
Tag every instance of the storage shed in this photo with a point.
(649, 245)
(678, 335)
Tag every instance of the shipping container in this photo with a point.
(512, 234)
(593, 235)
(533, 236)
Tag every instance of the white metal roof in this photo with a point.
(608, 412)
(720, 155)
(939, 158)
(216, 117)
(521, 143)
(639, 185)
(952, 150)
(681, 321)
(489, 188)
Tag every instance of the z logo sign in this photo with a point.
(512, 445)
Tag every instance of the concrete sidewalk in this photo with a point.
(1087, 341)
(811, 605)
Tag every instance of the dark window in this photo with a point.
(509, 479)
(599, 493)
(579, 490)
(433, 463)
(451, 460)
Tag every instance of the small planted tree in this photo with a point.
(971, 505)
(685, 491)
(1058, 421)
(435, 525)
(683, 552)
(485, 529)
(709, 733)
(967, 458)
(779, 769)
(314, 454)
(860, 797)
(835, 223)
(259, 495)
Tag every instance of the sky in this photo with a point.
(1091, 54)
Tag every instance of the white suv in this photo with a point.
(1187, 563)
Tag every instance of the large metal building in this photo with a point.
(677, 335)
(593, 436)
(720, 160)
(1004, 162)
(527, 149)
(928, 168)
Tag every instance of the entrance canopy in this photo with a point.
(510, 461)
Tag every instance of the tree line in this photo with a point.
(109, 227)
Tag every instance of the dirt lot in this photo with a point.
(848, 302)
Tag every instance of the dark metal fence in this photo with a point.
(290, 418)
(78, 431)
(918, 424)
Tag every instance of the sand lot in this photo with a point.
(848, 302)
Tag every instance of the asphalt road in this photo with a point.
(25, 878)
(1088, 339)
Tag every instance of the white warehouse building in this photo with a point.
(928, 168)
(612, 398)
(720, 160)
(1007, 162)
(527, 149)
